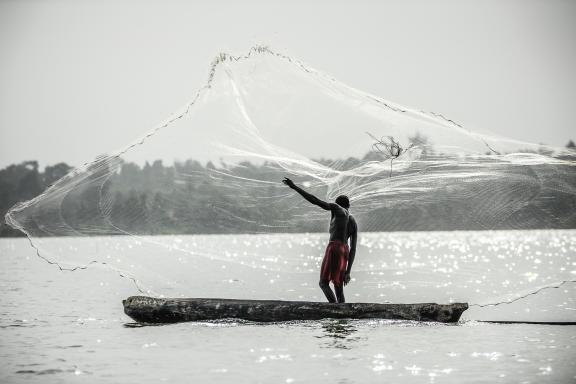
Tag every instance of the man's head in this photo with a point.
(343, 201)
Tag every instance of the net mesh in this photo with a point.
(215, 168)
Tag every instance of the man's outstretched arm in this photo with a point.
(311, 198)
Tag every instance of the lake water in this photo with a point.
(69, 327)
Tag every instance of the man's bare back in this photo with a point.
(339, 223)
(337, 262)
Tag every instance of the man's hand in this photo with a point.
(346, 278)
(288, 182)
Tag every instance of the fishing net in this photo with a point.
(215, 168)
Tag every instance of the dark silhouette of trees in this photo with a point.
(192, 198)
(18, 182)
(53, 173)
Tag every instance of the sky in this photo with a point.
(81, 78)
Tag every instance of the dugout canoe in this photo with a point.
(156, 310)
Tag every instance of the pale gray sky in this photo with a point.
(79, 78)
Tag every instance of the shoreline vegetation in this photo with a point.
(184, 199)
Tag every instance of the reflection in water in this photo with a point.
(339, 334)
(140, 325)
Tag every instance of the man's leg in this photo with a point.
(324, 284)
(340, 293)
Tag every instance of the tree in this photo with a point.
(55, 172)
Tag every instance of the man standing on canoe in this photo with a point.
(338, 259)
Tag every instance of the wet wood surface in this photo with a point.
(160, 310)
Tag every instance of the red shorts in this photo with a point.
(334, 264)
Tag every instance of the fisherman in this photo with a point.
(338, 258)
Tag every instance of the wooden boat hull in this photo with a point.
(155, 310)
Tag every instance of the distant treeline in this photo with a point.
(185, 199)
(24, 181)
